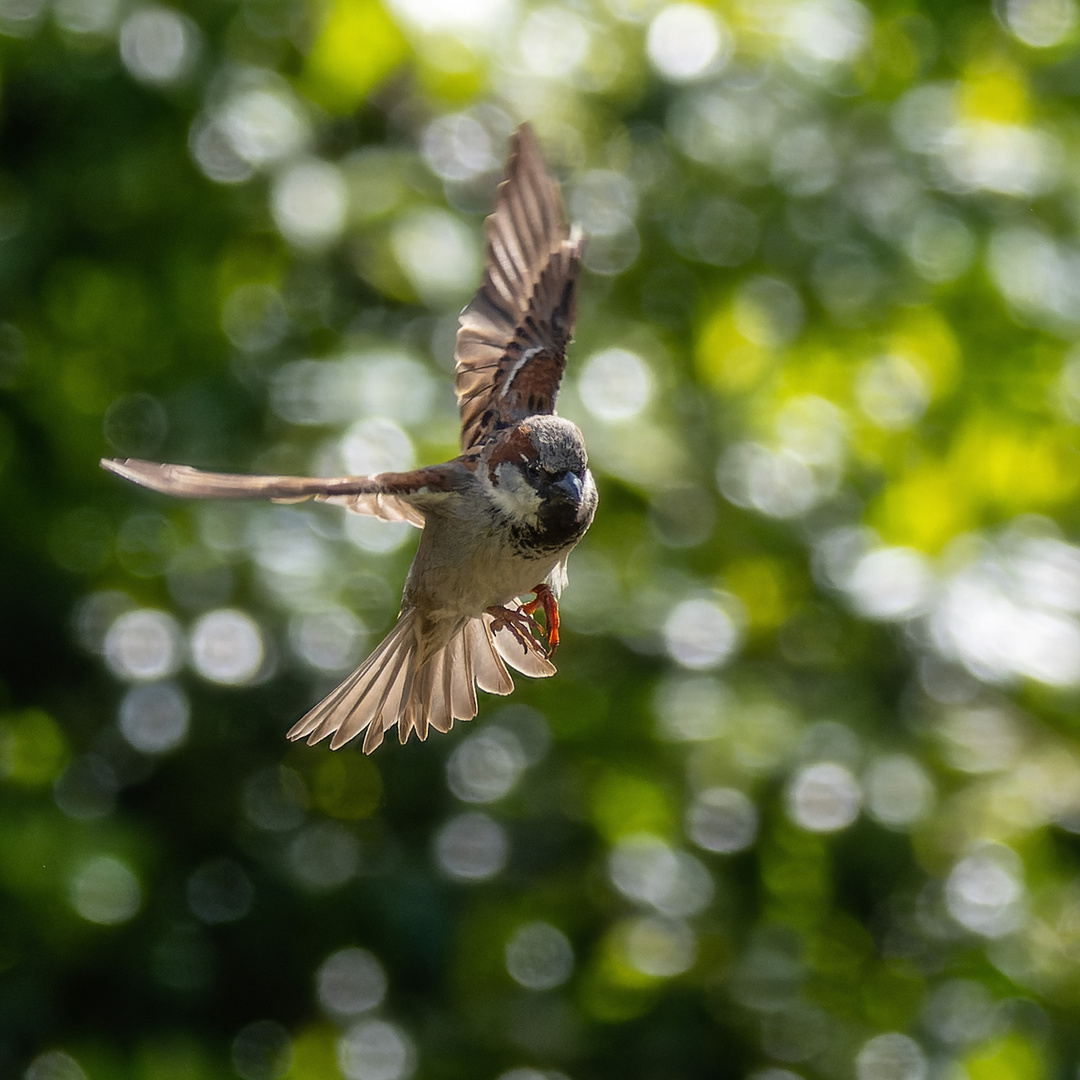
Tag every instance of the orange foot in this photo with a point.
(545, 598)
(521, 621)
(521, 625)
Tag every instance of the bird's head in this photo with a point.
(540, 474)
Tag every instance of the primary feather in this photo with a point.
(511, 346)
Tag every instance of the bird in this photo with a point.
(498, 520)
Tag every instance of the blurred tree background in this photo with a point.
(804, 798)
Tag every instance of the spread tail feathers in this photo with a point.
(394, 686)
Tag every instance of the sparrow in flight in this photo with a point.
(498, 520)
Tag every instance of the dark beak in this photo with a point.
(571, 486)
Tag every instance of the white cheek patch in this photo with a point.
(514, 496)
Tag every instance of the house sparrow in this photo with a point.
(498, 521)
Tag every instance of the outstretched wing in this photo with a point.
(511, 347)
(390, 496)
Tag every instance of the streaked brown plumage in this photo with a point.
(498, 521)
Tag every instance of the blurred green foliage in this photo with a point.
(803, 798)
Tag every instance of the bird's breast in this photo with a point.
(483, 550)
(562, 517)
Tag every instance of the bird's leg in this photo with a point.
(545, 599)
(520, 623)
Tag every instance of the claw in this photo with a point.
(545, 599)
(522, 624)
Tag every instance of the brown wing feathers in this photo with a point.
(511, 348)
(511, 352)
(384, 496)
(183, 480)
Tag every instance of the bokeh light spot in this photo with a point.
(539, 956)
(309, 203)
(962, 1012)
(719, 232)
(377, 537)
(462, 17)
(940, 245)
(383, 384)
(722, 820)
(263, 123)
(471, 847)
(262, 1051)
(692, 708)
(154, 717)
(227, 647)
(980, 740)
(323, 856)
(890, 1057)
(143, 645)
(821, 34)
(146, 543)
(376, 446)
(220, 892)
(605, 203)
(94, 18)
(135, 424)
(644, 868)
(376, 1050)
(700, 634)
(254, 317)
(458, 147)
(21, 18)
(892, 392)
(524, 1073)
(686, 40)
(767, 311)
(660, 948)
(159, 46)
(899, 793)
(983, 621)
(778, 483)
(214, 153)
(54, 1065)
(349, 982)
(86, 790)
(823, 797)
(554, 42)
(105, 891)
(438, 254)
(891, 583)
(615, 384)
(486, 766)
(1005, 158)
(33, 749)
(1039, 23)
(984, 891)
